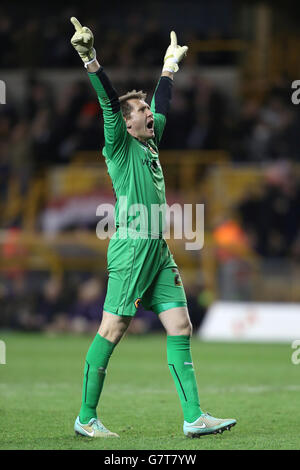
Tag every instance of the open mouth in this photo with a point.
(150, 125)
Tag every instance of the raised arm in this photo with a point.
(115, 131)
(160, 103)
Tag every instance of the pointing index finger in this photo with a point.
(173, 39)
(76, 23)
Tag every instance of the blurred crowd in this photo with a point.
(43, 130)
(257, 246)
(267, 130)
(37, 35)
(35, 302)
(47, 128)
(271, 217)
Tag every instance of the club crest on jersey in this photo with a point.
(177, 279)
(137, 302)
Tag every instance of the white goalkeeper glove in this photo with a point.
(83, 42)
(173, 55)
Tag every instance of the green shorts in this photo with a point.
(142, 270)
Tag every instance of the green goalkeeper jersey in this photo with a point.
(133, 166)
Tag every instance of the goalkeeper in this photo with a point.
(141, 268)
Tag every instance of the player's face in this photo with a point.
(141, 122)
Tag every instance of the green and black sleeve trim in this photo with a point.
(160, 105)
(115, 131)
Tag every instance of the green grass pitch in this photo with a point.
(40, 393)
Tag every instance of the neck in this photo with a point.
(143, 141)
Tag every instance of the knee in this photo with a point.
(177, 322)
(182, 328)
(112, 329)
(111, 332)
(186, 328)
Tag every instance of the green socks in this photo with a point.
(181, 367)
(94, 374)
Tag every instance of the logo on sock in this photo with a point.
(102, 370)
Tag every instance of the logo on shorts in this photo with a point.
(137, 302)
(177, 279)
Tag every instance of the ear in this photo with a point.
(127, 124)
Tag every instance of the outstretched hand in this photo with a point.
(174, 54)
(83, 41)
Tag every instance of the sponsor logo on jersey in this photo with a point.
(137, 302)
(153, 164)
